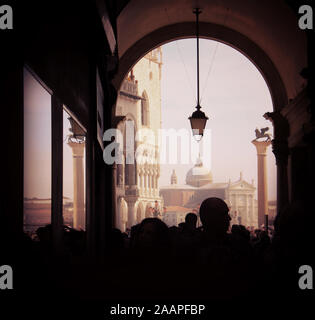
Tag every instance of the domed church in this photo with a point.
(198, 176)
(238, 195)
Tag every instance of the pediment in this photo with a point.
(241, 185)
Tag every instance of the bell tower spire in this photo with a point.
(173, 177)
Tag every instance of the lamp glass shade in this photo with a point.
(198, 122)
(197, 136)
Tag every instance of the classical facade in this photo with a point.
(139, 105)
(239, 196)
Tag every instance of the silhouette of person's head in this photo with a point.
(191, 220)
(152, 233)
(44, 233)
(214, 215)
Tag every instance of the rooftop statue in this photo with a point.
(263, 133)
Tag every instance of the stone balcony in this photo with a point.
(129, 88)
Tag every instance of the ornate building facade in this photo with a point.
(139, 102)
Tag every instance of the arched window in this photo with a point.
(144, 109)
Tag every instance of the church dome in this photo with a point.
(199, 175)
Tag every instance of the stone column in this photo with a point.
(146, 182)
(119, 214)
(78, 184)
(149, 182)
(152, 183)
(157, 180)
(247, 210)
(139, 180)
(261, 147)
(156, 186)
(253, 211)
(131, 212)
(142, 182)
(253, 214)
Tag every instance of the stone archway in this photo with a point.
(214, 32)
(253, 28)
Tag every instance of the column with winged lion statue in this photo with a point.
(262, 142)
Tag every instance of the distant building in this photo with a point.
(139, 101)
(238, 195)
(174, 215)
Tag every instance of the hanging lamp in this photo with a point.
(198, 119)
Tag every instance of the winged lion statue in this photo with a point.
(263, 133)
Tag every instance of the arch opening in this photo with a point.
(149, 176)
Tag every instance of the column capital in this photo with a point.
(77, 148)
(131, 200)
(261, 146)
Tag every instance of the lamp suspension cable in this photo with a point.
(210, 69)
(213, 58)
(197, 11)
(188, 78)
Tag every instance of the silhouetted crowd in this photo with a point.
(214, 261)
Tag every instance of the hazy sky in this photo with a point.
(234, 97)
(37, 139)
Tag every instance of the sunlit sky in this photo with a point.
(234, 96)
